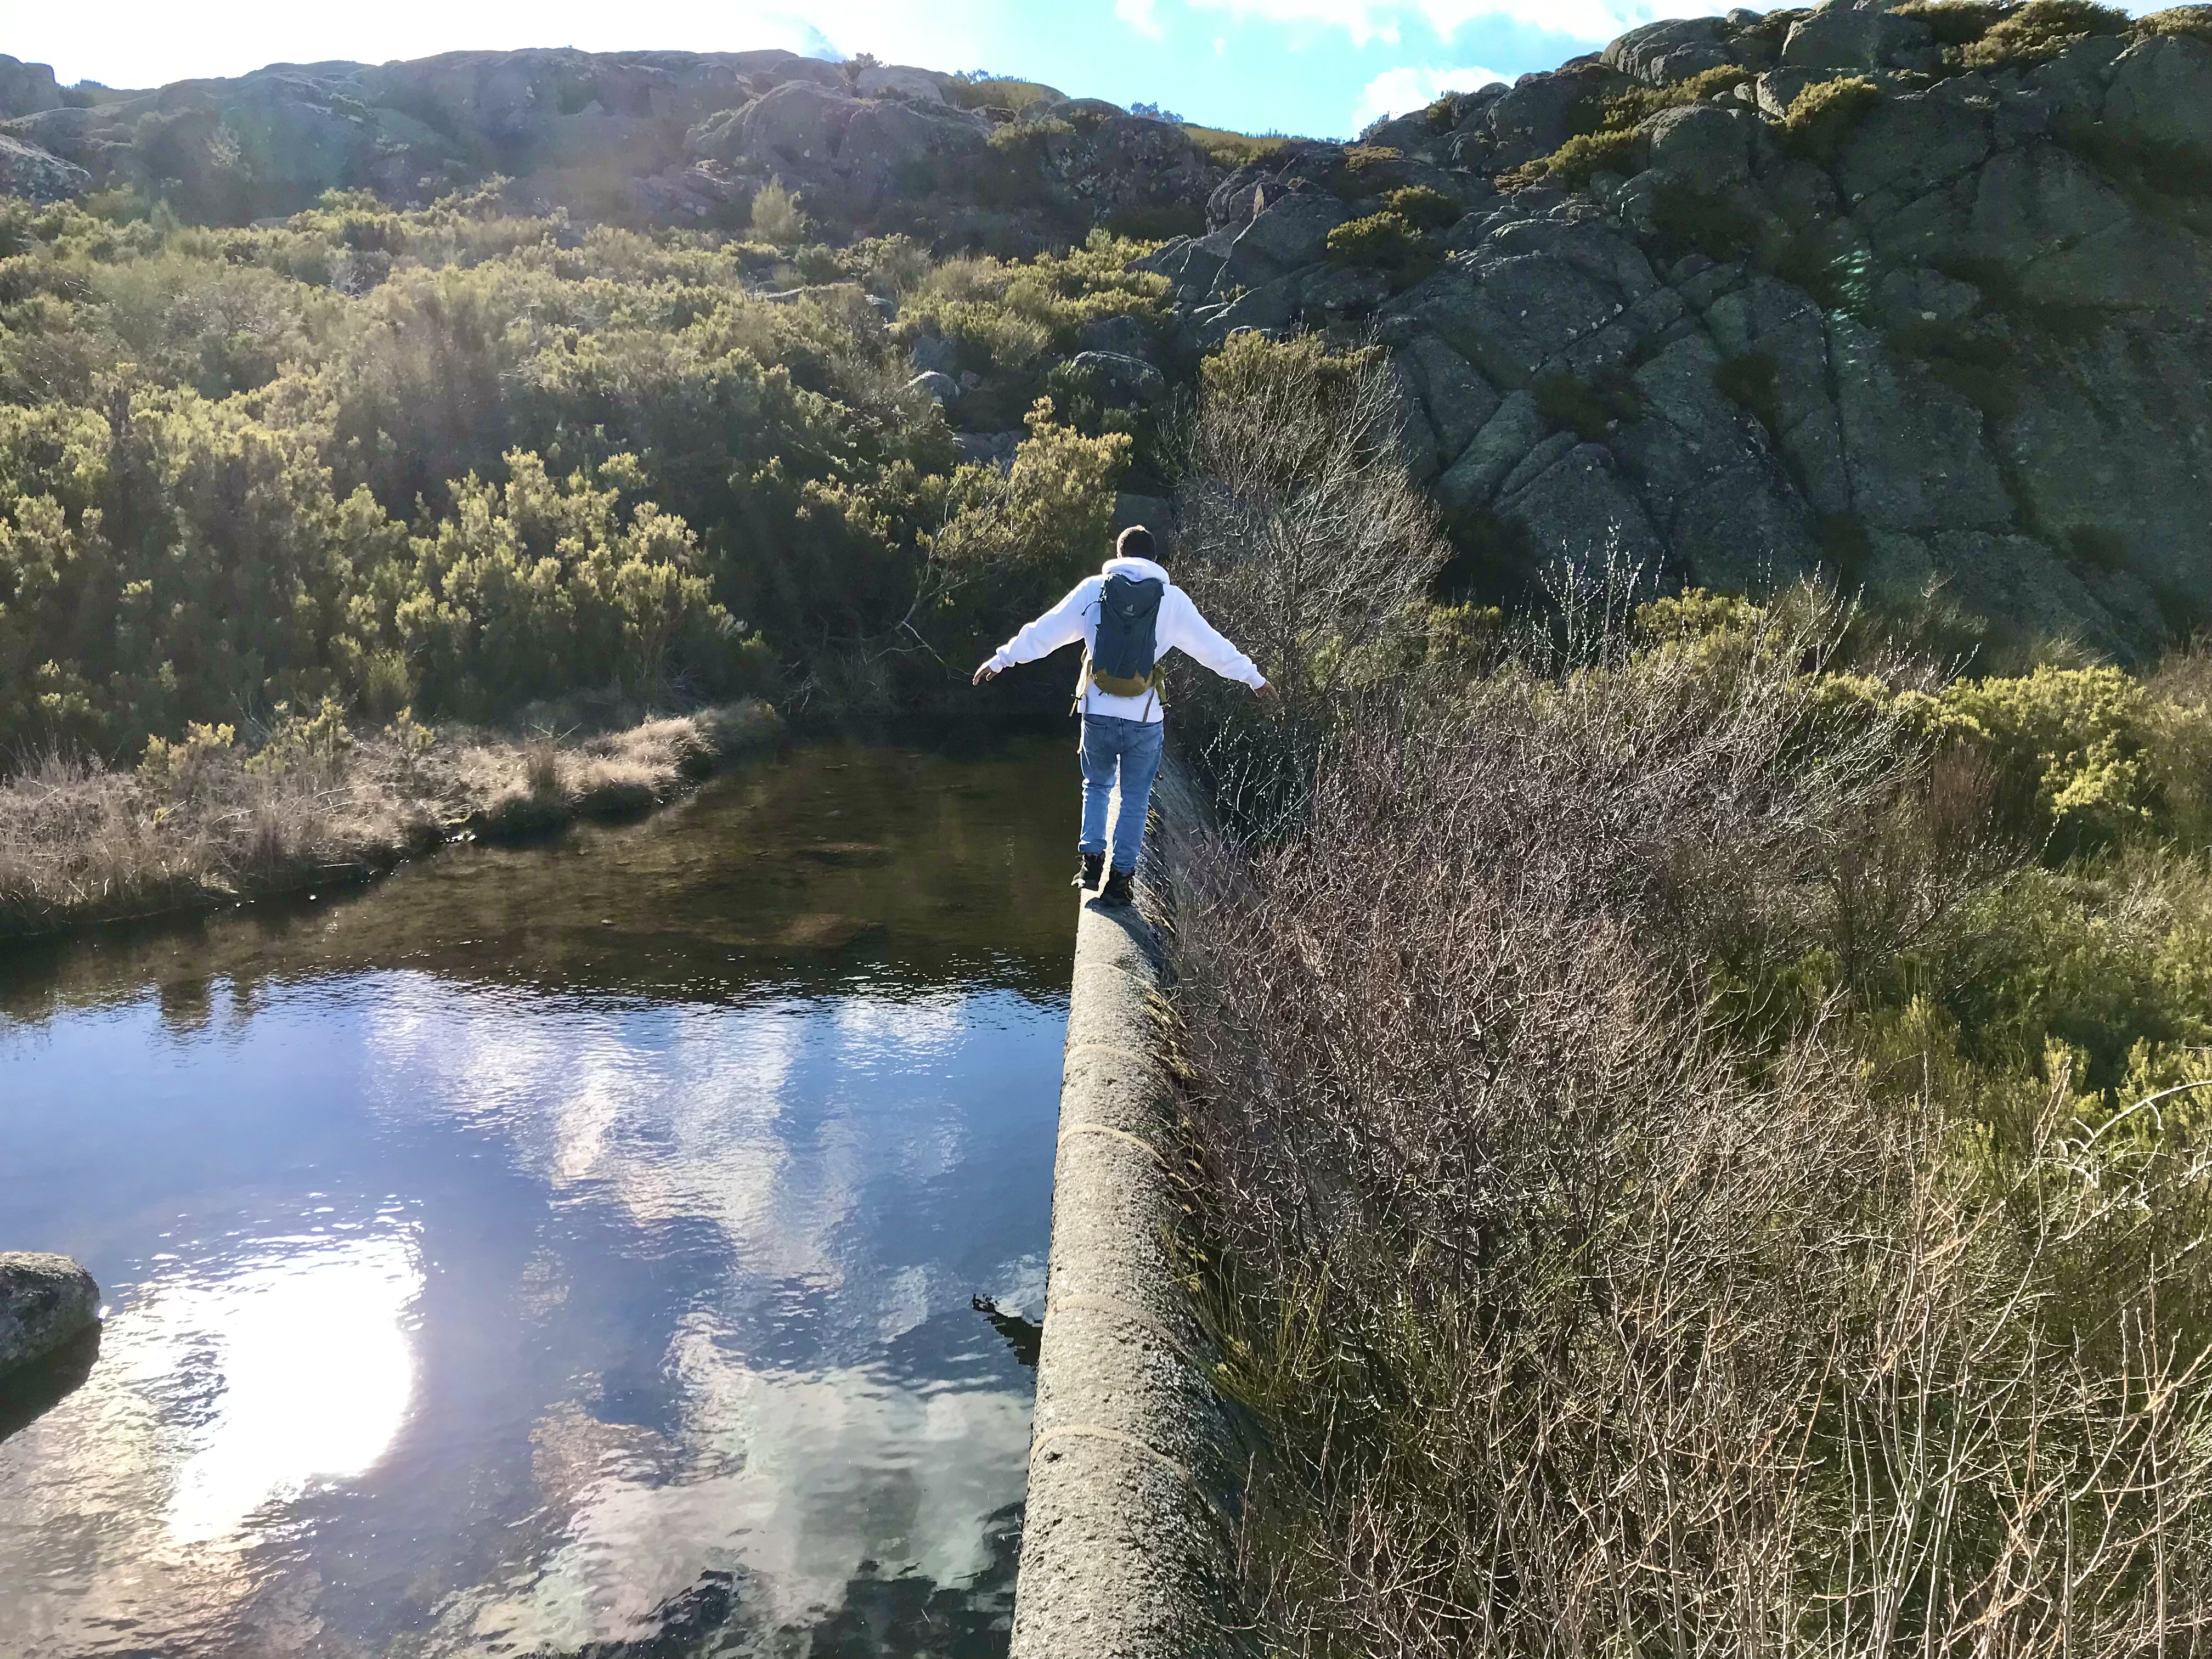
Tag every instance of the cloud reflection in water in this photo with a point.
(797, 1474)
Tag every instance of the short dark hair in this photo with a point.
(1134, 543)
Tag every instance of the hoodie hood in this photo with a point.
(1137, 570)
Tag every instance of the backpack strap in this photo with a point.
(1083, 673)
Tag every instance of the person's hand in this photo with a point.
(1266, 693)
(986, 673)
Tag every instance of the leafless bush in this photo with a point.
(1590, 1320)
(1303, 538)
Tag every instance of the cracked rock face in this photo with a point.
(1951, 338)
(45, 1300)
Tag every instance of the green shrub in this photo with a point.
(1629, 110)
(776, 217)
(2039, 31)
(539, 586)
(304, 744)
(1011, 544)
(271, 501)
(1360, 158)
(176, 769)
(1422, 207)
(2080, 738)
(1234, 149)
(1955, 23)
(1608, 146)
(1009, 313)
(2178, 20)
(2097, 964)
(994, 94)
(1030, 132)
(1380, 239)
(1572, 165)
(1820, 117)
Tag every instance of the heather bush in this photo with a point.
(1572, 164)
(1378, 238)
(2178, 20)
(1955, 23)
(1610, 144)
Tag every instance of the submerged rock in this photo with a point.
(45, 1301)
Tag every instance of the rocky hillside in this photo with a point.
(667, 137)
(1916, 293)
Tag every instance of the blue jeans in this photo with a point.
(1131, 748)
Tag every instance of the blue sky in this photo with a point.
(1317, 67)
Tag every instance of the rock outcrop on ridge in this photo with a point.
(1917, 294)
(1921, 294)
(673, 137)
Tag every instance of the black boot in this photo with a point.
(1093, 870)
(1117, 891)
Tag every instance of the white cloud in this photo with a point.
(1370, 21)
(1411, 87)
(1142, 15)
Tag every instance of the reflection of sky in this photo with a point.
(449, 1317)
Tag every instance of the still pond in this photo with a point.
(562, 1250)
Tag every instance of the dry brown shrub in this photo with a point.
(1302, 537)
(541, 767)
(1586, 1320)
(1303, 540)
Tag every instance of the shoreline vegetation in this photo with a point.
(1699, 1111)
(210, 819)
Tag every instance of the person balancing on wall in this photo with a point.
(1128, 616)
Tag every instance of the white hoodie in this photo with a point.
(1178, 628)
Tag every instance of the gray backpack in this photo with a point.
(1124, 660)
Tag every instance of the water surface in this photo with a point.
(559, 1250)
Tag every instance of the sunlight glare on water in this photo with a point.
(312, 1351)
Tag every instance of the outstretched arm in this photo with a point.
(1062, 625)
(1185, 630)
